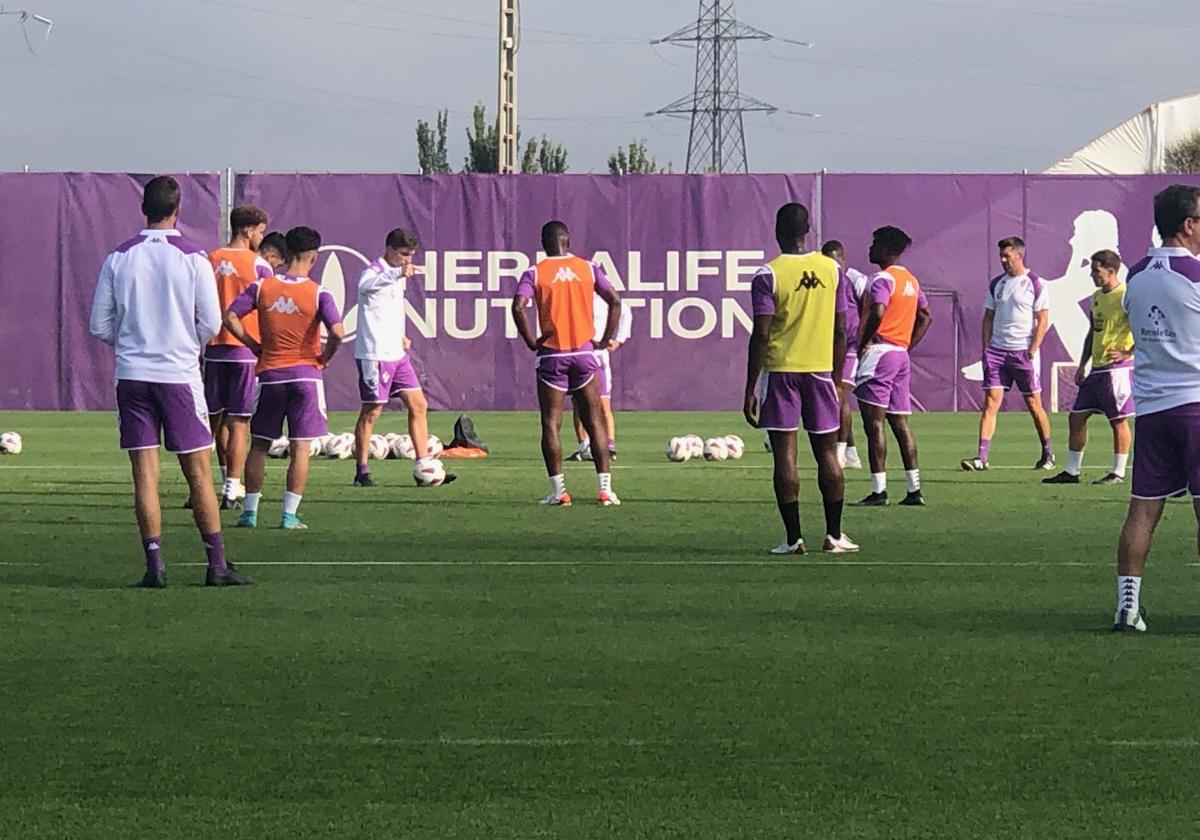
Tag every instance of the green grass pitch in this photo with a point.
(461, 663)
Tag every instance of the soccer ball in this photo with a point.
(429, 472)
(315, 447)
(341, 447)
(716, 449)
(695, 445)
(402, 447)
(11, 444)
(735, 445)
(678, 450)
(390, 438)
(434, 445)
(378, 447)
(327, 444)
(278, 448)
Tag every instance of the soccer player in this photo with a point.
(1162, 299)
(229, 383)
(799, 338)
(381, 352)
(156, 305)
(856, 285)
(896, 318)
(291, 309)
(564, 288)
(604, 357)
(1108, 389)
(1015, 320)
(273, 249)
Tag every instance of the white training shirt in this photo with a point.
(1016, 301)
(380, 335)
(600, 318)
(1162, 297)
(156, 304)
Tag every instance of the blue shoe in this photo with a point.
(291, 522)
(248, 519)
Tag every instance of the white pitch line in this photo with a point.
(623, 563)
(1172, 743)
(504, 742)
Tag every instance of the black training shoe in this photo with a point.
(230, 577)
(1046, 462)
(153, 580)
(465, 435)
(364, 480)
(874, 500)
(230, 503)
(913, 499)
(577, 455)
(188, 504)
(449, 479)
(1063, 477)
(1111, 478)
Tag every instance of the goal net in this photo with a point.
(1062, 386)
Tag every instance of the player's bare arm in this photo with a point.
(1041, 327)
(1081, 371)
(839, 341)
(871, 323)
(920, 327)
(337, 334)
(610, 297)
(757, 357)
(519, 305)
(238, 330)
(989, 321)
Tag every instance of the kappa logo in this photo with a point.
(909, 291)
(225, 269)
(809, 281)
(1158, 265)
(284, 306)
(565, 275)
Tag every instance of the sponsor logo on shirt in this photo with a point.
(284, 306)
(1162, 328)
(225, 269)
(909, 291)
(809, 281)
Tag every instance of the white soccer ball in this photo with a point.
(402, 447)
(315, 447)
(378, 448)
(429, 472)
(278, 448)
(326, 442)
(341, 447)
(678, 450)
(11, 444)
(434, 445)
(695, 445)
(735, 445)
(716, 449)
(390, 438)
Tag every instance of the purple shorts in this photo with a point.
(1005, 368)
(300, 402)
(794, 400)
(569, 372)
(229, 387)
(851, 367)
(378, 382)
(1108, 391)
(1166, 453)
(884, 379)
(604, 358)
(149, 412)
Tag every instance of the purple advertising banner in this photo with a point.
(680, 248)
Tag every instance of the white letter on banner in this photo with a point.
(656, 318)
(675, 321)
(451, 319)
(672, 271)
(455, 271)
(427, 325)
(496, 269)
(427, 270)
(510, 329)
(605, 261)
(731, 311)
(636, 283)
(695, 270)
(736, 269)
(632, 305)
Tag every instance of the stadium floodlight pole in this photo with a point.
(717, 140)
(507, 106)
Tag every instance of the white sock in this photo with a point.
(913, 477)
(1128, 590)
(233, 488)
(558, 485)
(291, 502)
(224, 474)
(878, 482)
(852, 453)
(604, 482)
(842, 448)
(251, 503)
(1119, 463)
(1074, 461)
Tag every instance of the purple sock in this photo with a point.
(153, 549)
(214, 547)
(363, 469)
(984, 446)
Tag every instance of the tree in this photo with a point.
(1183, 156)
(543, 156)
(431, 146)
(633, 161)
(483, 145)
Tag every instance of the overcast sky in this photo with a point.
(337, 85)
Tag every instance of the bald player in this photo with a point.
(564, 286)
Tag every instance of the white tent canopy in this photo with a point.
(1138, 145)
